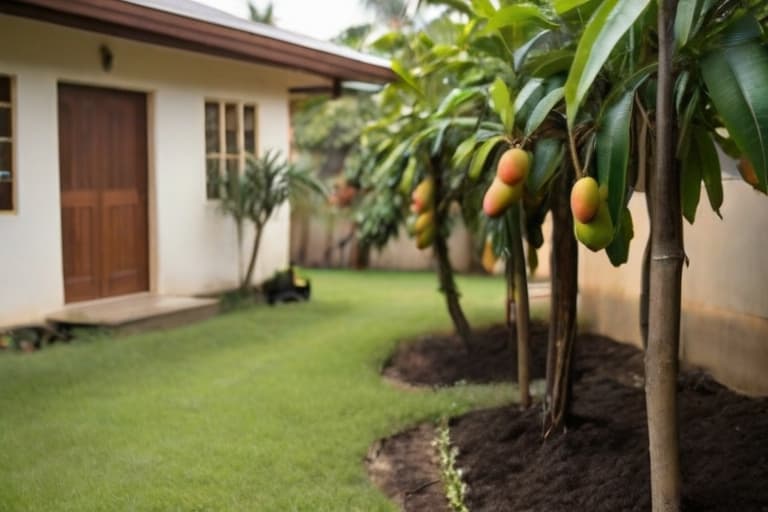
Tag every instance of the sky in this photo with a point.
(321, 19)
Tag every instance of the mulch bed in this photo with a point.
(601, 462)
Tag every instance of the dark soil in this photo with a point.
(601, 462)
(441, 360)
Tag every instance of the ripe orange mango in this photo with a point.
(423, 195)
(513, 167)
(585, 199)
(500, 196)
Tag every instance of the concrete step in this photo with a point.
(136, 313)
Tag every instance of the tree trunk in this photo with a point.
(239, 227)
(444, 268)
(661, 357)
(246, 283)
(645, 281)
(563, 295)
(448, 286)
(522, 313)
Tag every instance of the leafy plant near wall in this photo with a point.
(256, 194)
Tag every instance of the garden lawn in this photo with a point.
(263, 409)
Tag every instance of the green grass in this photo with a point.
(262, 409)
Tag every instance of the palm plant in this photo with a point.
(254, 196)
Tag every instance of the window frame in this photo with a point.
(13, 140)
(223, 156)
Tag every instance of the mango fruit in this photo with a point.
(500, 196)
(425, 238)
(585, 199)
(489, 259)
(423, 195)
(596, 234)
(513, 167)
(423, 221)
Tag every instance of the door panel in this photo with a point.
(103, 161)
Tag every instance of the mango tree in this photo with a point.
(695, 85)
(527, 109)
(423, 118)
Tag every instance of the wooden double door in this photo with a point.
(103, 166)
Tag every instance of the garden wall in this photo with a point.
(725, 288)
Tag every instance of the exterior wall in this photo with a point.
(724, 328)
(399, 254)
(192, 246)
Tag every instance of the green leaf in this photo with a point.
(603, 31)
(687, 14)
(618, 250)
(455, 99)
(517, 14)
(737, 80)
(527, 92)
(690, 182)
(710, 169)
(563, 6)
(550, 63)
(483, 8)
(481, 155)
(406, 182)
(458, 5)
(541, 111)
(613, 147)
(547, 156)
(393, 158)
(521, 53)
(406, 76)
(464, 151)
(500, 103)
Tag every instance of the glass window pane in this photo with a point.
(230, 120)
(212, 178)
(6, 195)
(233, 165)
(6, 172)
(5, 88)
(249, 128)
(5, 122)
(211, 127)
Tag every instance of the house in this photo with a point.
(115, 115)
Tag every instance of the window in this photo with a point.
(7, 176)
(230, 134)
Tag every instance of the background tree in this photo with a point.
(256, 194)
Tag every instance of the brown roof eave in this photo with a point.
(153, 26)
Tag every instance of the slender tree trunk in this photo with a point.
(646, 163)
(661, 357)
(645, 281)
(522, 314)
(511, 309)
(448, 287)
(239, 227)
(562, 321)
(304, 220)
(444, 268)
(246, 283)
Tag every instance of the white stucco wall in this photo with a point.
(724, 325)
(192, 246)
